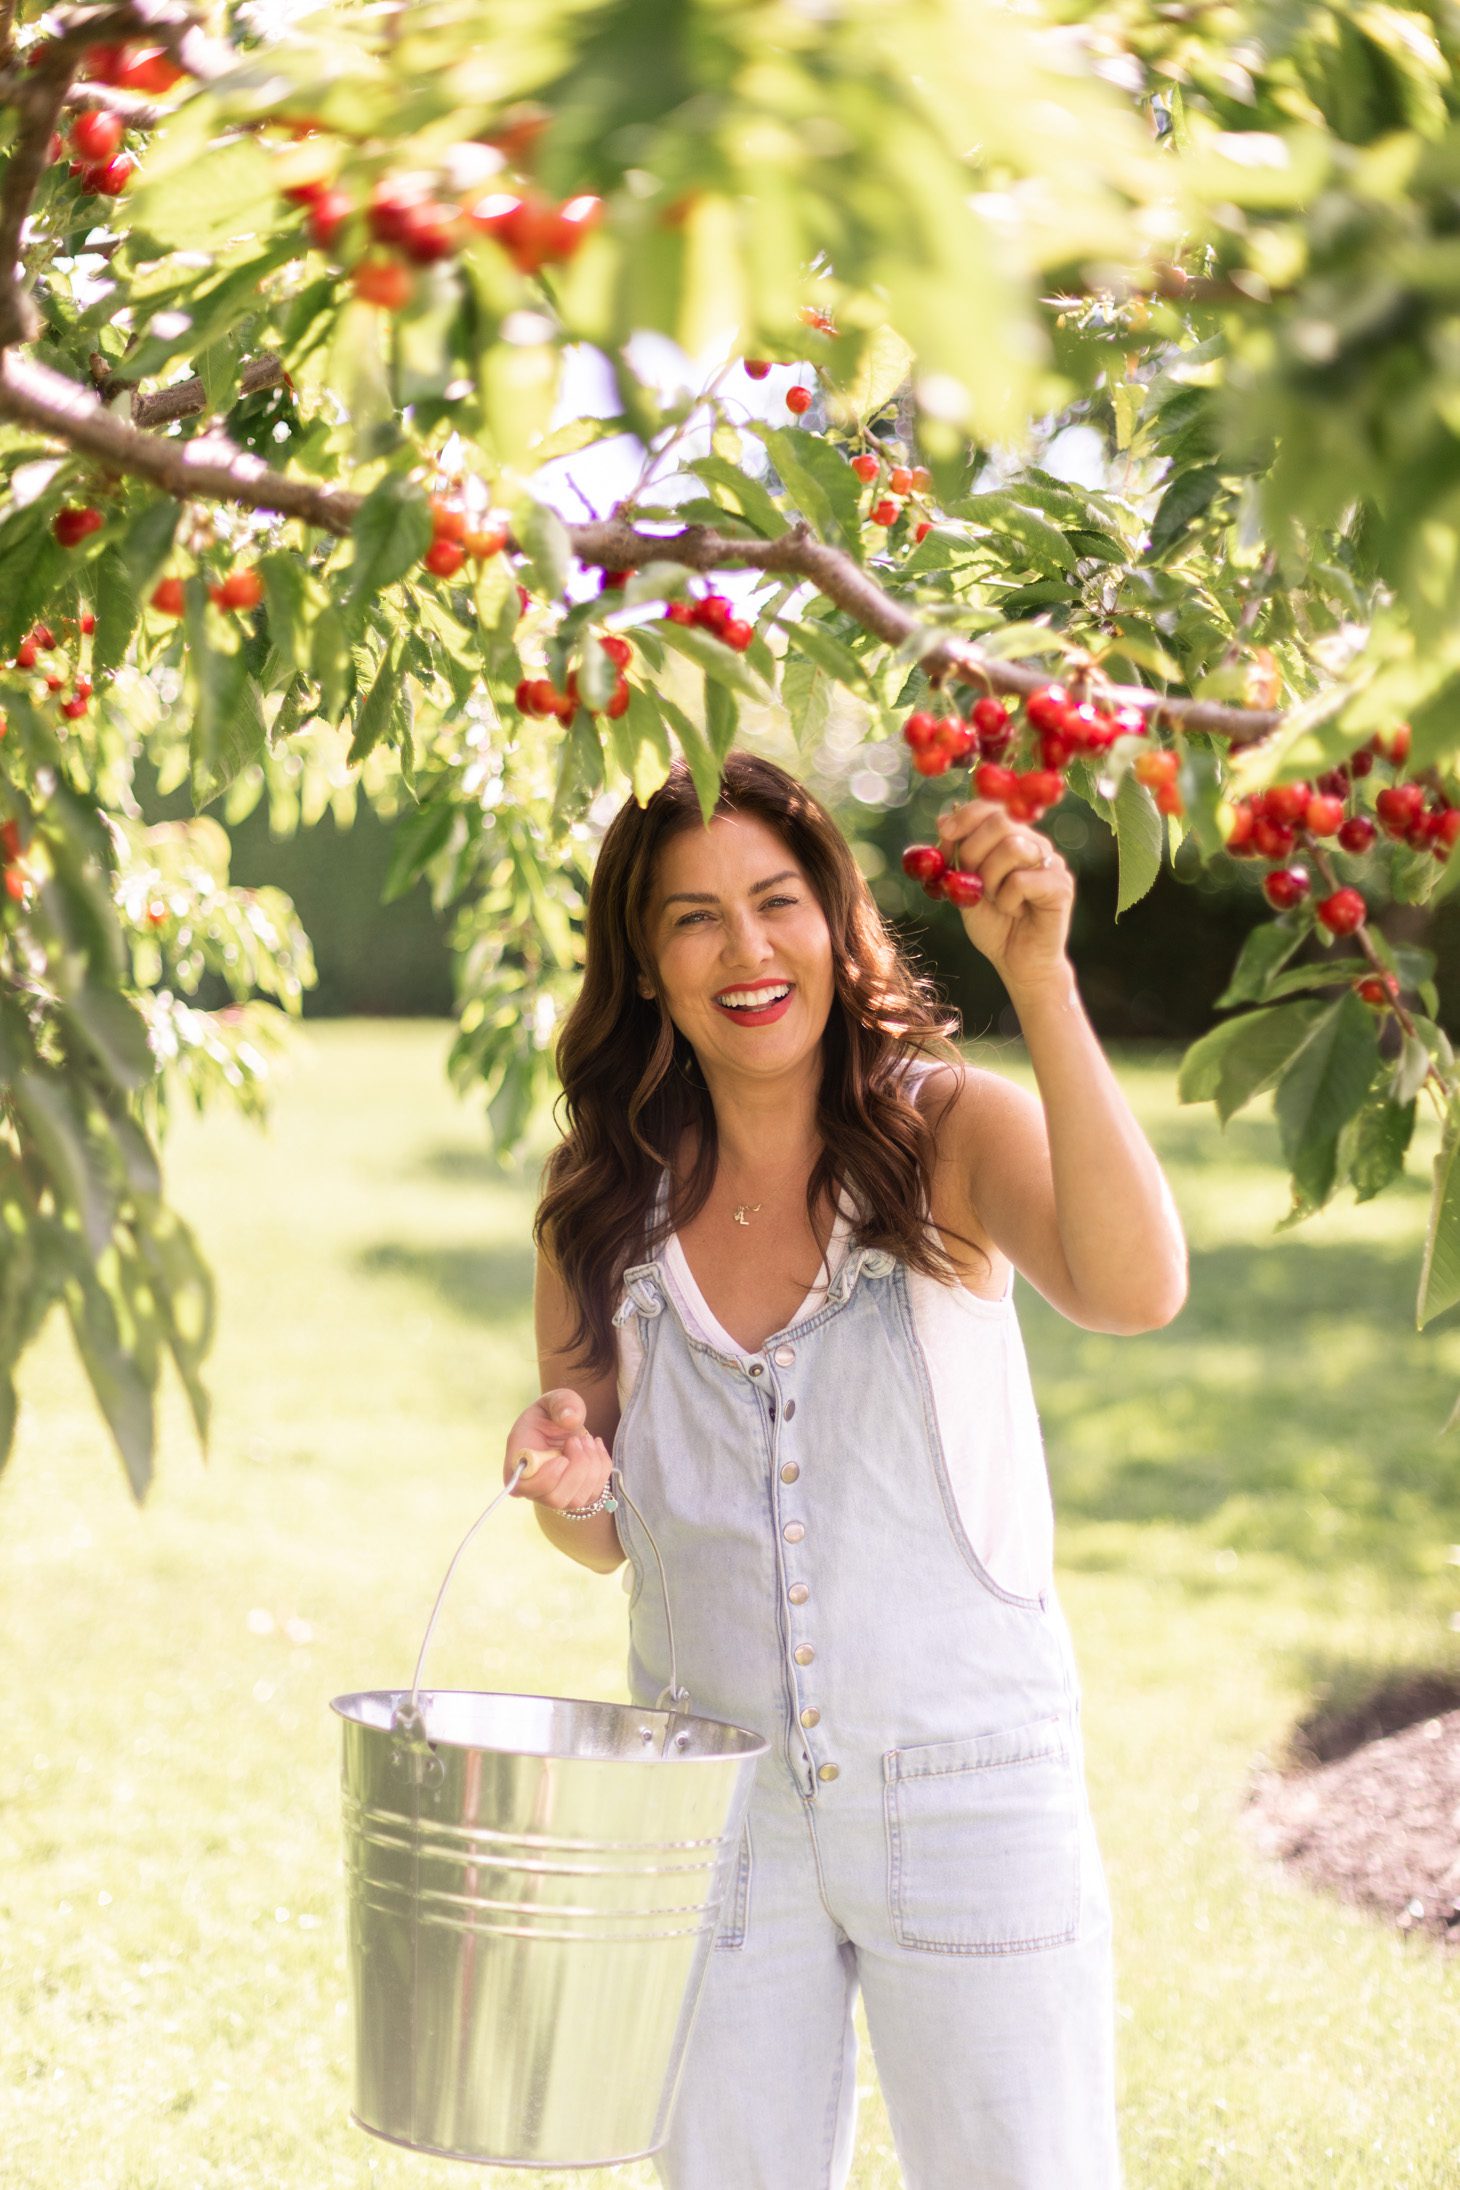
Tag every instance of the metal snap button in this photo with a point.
(794, 1531)
(828, 1771)
(810, 1716)
(784, 1356)
(757, 1368)
(790, 1471)
(790, 1408)
(798, 1593)
(803, 1653)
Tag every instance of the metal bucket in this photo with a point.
(534, 1886)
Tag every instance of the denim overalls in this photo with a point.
(919, 1826)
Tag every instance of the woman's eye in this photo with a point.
(686, 920)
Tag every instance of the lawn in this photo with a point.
(1256, 1510)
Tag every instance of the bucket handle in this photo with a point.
(408, 1718)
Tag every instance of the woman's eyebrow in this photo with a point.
(707, 897)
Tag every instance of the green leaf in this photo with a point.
(819, 645)
(1242, 1057)
(640, 742)
(744, 496)
(1184, 500)
(392, 531)
(1439, 1277)
(1040, 543)
(718, 661)
(113, 1030)
(122, 1390)
(284, 597)
(186, 1298)
(1266, 947)
(1322, 1087)
(543, 537)
(205, 201)
(698, 751)
(49, 1106)
(376, 710)
(580, 771)
(118, 612)
(1139, 836)
(32, 568)
(1381, 1135)
(228, 731)
(419, 835)
(819, 481)
(147, 542)
(329, 662)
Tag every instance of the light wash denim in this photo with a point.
(919, 1827)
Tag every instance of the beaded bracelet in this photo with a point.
(605, 1502)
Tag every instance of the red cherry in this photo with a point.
(962, 889)
(933, 759)
(443, 558)
(1394, 747)
(1243, 821)
(96, 136)
(618, 650)
(884, 513)
(1361, 762)
(327, 216)
(866, 467)
(82, 688)
(72, 708)
(612, 581)
(1089, 729)
(1273, 839)
(147, 69)
(522, 697)
(900, 479)
(921, 729)
(14, 883)
(991, 719)
(1324, 815)
(1043, 786)
(713, 611)
(88, 624)
(681, 612)
(1046, 707)
(1398, 806)
(922, 479)
(757, 367)
(619, 703)
(1169, 799)
(1287, 801)
(1343, 912)
(1333, 783)
(55, 684)
(44, 637)
(71, 526)
(1285, 887)
(1055, 748)
(10, 839)
(958, 739)
(109, 178)
(447, 521)
(167, 596)
(924, 863)
(240, 589)
(570, 222)
(798, 400)
(1357, 833)
(426, 233)
(101, 63)
(486, 543)
(392, 203)
(384, 282)
(737, 634)
(1448, 829)
(25, 654)
(921, 530)
(1378, 989)
(992, 781)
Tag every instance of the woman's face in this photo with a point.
(732, 912)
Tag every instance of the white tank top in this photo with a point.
(983, 1398)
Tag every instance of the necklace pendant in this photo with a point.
(745, 1211)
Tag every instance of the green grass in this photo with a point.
(1255, 1508)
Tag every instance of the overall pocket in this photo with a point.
(735, 1908)
(983, 1841)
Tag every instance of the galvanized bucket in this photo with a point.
(534, 1885)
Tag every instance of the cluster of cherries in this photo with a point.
(540, 696)
(239, 589)
(17, 881)
(94, 141)
(712, 612)
(454, 537)
(1269, 825)
(41, 639)
(411, 225)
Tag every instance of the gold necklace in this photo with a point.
(744, 1211)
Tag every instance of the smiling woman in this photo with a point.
(777, 1247)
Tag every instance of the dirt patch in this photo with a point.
(1377, 1820)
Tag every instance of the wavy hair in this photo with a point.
(631, 1084)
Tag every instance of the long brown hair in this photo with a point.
(631, 1084)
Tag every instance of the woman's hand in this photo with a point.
(565, 1466)
(1022, 921)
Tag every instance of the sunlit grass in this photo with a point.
(1255, 1507)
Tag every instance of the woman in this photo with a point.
(776, 1260)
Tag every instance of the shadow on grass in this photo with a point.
(1291, 1408)
(1357, 1701)
(490, 1285)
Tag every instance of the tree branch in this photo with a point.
(213, 469)
(184, 398)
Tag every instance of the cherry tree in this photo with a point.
(287, 300)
